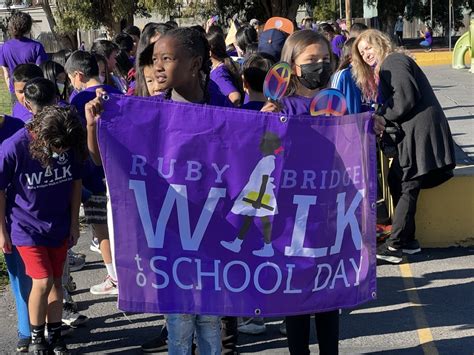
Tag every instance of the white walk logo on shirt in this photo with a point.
(50, 176)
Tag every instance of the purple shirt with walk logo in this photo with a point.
(18, 51)
(38, 208)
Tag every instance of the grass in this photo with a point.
(5, 108)
(3, 272)
(5, 99)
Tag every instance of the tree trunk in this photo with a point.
(66, 40)
(281, 8)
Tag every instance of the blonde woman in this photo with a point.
(421, 134)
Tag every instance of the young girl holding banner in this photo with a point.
(182, 66)
(311, 61)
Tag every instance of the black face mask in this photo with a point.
(315, 75)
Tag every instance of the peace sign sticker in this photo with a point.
(328, 102)
(276, 81)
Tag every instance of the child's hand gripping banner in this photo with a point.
(235, 212)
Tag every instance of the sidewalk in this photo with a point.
(424, 305)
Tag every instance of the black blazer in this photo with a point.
(410, 101)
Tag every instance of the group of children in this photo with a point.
(52, 164)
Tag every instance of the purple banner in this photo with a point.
(234, 212)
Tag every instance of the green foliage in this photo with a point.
(3, 272)
(325, 10)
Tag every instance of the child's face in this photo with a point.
(76, 82)
(154, 88)
(314, 53)
(112, 61)
(367, 52)
(19, 87)
(174, 68)
(102, 71)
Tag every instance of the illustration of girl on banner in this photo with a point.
(257, 198)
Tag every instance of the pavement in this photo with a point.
(425, 305)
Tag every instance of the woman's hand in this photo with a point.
(379, 124)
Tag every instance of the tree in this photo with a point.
(67, 39)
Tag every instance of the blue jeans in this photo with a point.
(182, 327)
(20, 284)
(425, 44)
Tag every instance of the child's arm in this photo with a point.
(93, 110)
(6, 76)
(5, 242)
(258, 204)
(75, 205)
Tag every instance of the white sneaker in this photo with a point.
(108, 287)
(234, 246)
(266, 251)
(95, 245)
(76, 263)
(252, 328)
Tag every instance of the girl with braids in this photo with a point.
(182, 65)
(225, 73)
(40, 195)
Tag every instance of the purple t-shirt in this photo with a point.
(21, 112)
(9, 127)
(93, 175)
(223, 78)
(428, 37)
(336, 45)
(216, 98)
(38, 208)
(81, 98)
(296, 105)
(253, 105)
(21, 51)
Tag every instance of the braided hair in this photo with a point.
(196, 45)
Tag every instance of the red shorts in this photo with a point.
(42, 262)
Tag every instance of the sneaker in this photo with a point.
(282, 328)
(234, 245)
(248, 327)
(39, 347)
(155, 345)
(266, 251)
(389, 254)
(22, 345)
(59, 348)
(70, 286)
(108, 287)
(77, 254)
(71, 317)
(75, 263)
(411, 247)
(95, 245)
(65, 330)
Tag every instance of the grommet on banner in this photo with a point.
(373, 205)
(283, 119)
(105, 97)
(374, 295)
(257, 311)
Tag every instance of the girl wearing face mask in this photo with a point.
(56, 73)
(309, 55)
